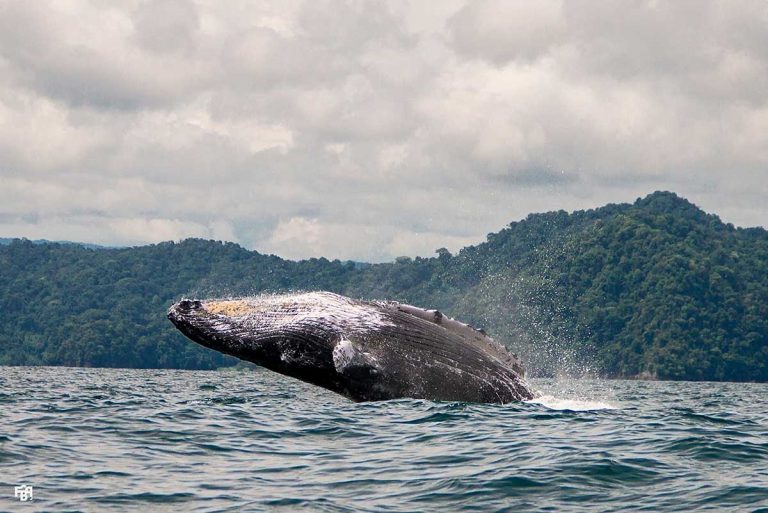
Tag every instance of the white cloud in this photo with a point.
(503, 30)
(368, 130)
(300, 237)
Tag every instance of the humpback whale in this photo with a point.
(364, 350)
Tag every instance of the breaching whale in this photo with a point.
(364, 350)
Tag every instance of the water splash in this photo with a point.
(557, 403)
(575, 394)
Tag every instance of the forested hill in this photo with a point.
(656, 288)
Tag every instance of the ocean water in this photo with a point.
(154, 441)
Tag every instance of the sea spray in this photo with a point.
(565, 393)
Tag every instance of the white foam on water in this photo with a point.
(557, 403)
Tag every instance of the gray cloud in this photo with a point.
(501, 32)
(369, 130)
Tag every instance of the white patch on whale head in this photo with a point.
(308, 309)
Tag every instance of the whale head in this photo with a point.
(299, 335)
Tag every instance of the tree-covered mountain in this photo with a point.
(656, 288)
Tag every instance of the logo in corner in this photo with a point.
(23, 492)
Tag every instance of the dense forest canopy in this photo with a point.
(657, 288)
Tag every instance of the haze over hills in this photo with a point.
(4, 241)
(657, 288)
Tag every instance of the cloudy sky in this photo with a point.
(368, 130)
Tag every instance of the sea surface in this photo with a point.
(193, 441)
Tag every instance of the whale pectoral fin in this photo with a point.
(362, 376)
(352, 362)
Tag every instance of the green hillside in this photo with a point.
(657, 288)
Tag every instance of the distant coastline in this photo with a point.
(657, 289)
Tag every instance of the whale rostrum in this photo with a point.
(364, 350)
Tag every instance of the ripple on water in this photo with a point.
(709, 449)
